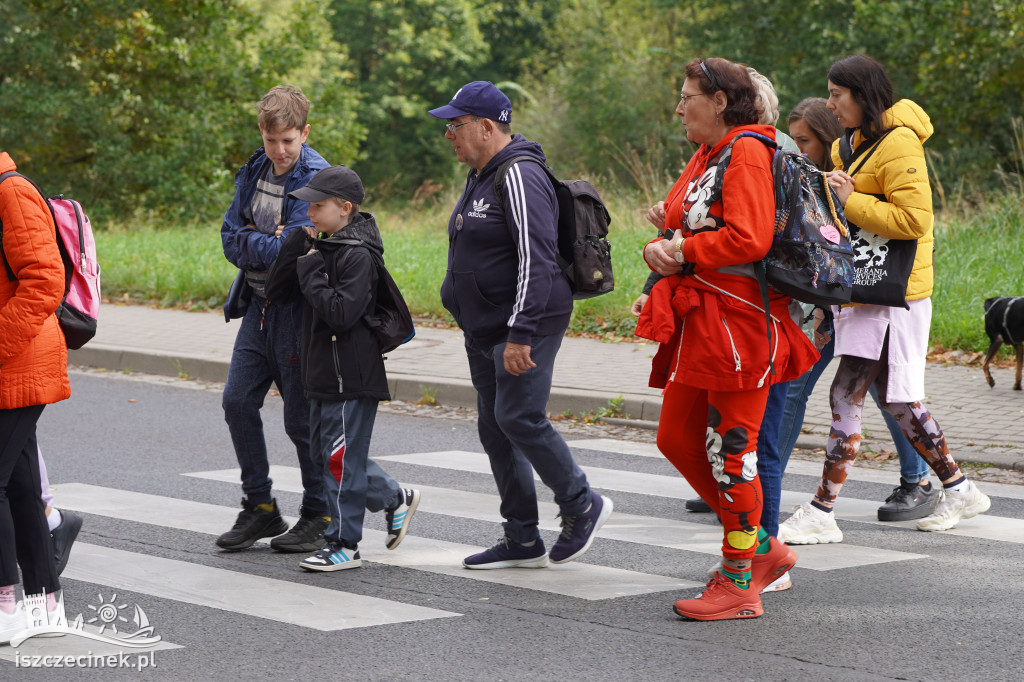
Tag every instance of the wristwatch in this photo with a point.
(679, 251)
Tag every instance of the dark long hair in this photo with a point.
(734, 81)
(822, 123)
(870, 87)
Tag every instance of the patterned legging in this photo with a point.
(853, 378)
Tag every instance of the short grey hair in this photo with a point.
(766, 102)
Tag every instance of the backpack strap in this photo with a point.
(716, 193)
(3, 256)
(499, 193)
(64, 255)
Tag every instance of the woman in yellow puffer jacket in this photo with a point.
(33, 373)
(882, 180)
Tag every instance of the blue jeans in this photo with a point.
(769, 463)
(913, 468)
(516, 434)
(267, 351)
(339, 435)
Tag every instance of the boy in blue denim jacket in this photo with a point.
(266, 349)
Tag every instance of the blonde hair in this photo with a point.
(767, 102)
(283, 107)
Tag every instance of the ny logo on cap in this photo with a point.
(504, 115)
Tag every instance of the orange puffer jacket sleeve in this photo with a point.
(33, 356)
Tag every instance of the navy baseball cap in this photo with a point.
(479, 98)
(335, 181)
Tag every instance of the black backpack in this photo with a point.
(390, 319)
(584, 253)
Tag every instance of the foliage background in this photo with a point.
(144, 111)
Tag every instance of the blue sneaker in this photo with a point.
(508, 554)
(332, 558)
(578, 531)
(398, 518)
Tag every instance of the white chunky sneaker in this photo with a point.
(783, 582)
(810, 526)
(953, 506)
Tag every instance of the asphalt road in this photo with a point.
(145, 460)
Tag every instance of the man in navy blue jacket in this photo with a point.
(266, 349)
(506, 291)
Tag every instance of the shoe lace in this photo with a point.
(899, 494)
(568, 522)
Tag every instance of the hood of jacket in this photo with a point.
(904, 114)
(364, 228)
(519, 146)
(909, 114)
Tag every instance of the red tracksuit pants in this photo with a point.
(711, 438)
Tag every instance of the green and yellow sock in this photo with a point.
(740, 579)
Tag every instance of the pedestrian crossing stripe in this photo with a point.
(577, 579)
(645, 530)
(317, 608)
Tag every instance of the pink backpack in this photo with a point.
(80, 308)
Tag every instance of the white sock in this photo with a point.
(8, 600)
(961, 487)
(54, 519)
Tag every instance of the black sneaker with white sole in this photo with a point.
(251, 525)
(909, 501)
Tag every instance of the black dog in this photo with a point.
(1004, 323)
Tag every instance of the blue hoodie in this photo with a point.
(503, 282)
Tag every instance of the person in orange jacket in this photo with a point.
(715, 356)
(33, 373)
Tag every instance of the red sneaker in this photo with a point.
(769, 566)
(721, 600)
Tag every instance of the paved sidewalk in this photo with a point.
(981, 424)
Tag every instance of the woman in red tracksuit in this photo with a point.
(715, 358)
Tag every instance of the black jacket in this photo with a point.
(340, 356)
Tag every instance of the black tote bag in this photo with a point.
(882, 266)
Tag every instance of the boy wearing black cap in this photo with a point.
(342, 367)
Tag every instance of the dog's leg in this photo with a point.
(992, 350)
(1019, 350)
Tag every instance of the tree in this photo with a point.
(409, 57)
(128, 108)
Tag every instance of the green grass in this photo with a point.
(979, 253)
